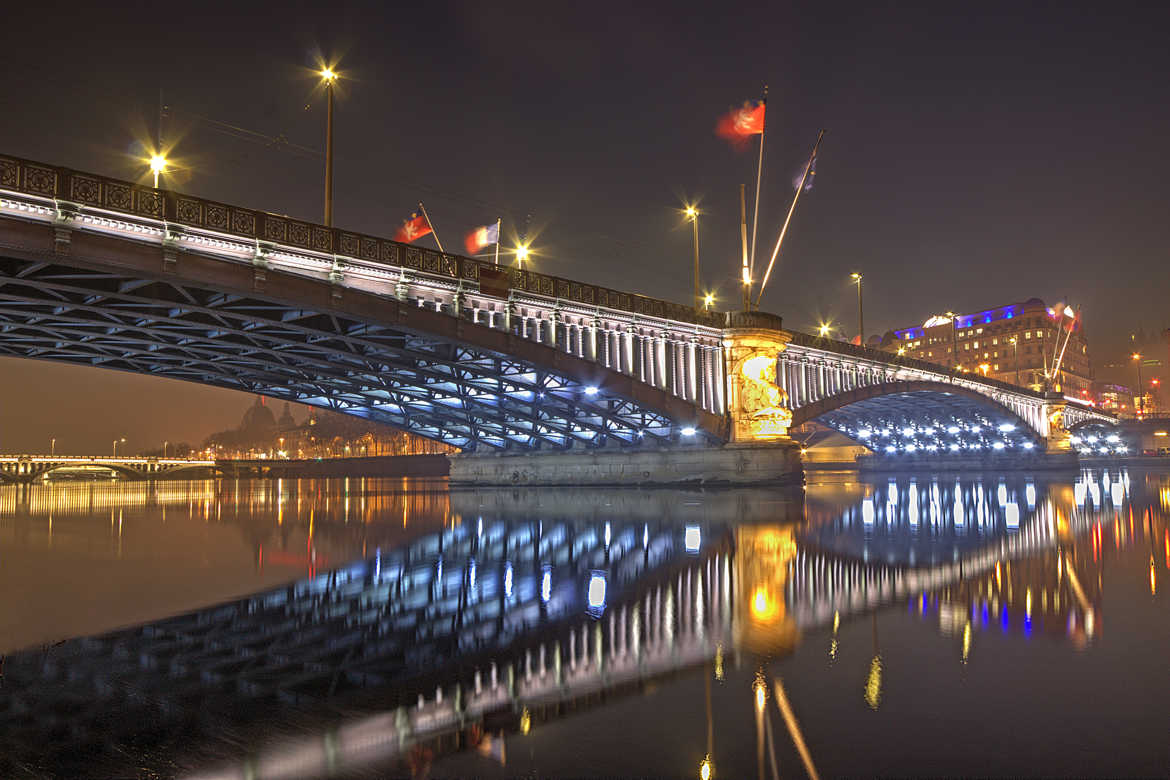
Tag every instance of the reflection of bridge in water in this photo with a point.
(508, 619)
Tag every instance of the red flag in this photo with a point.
(415, 227)
(741, 123)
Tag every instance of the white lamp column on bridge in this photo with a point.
(122, 440)
(693, 215)
(856, 277)
(328, 78)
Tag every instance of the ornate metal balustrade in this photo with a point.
(664, 344)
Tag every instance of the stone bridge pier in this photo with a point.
(750, 446)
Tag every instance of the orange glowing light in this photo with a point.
(764, 607)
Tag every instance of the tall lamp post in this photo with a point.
(954, 339)
(1140, 401)
(860, 318)
(52, 447)
(115, 451)
(329, 78)
(1016, 346)
(693, 214)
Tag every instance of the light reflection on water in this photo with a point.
(914, 604)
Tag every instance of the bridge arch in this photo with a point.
(921, 415)
(397, 362)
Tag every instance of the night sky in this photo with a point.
(973, 157)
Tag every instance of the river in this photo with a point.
(917, 623)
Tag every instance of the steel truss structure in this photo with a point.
(428, 385)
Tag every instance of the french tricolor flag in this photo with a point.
(481, 237)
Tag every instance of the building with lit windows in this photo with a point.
(1011, 343)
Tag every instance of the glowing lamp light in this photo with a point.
(596, 592)
(328, 76)
(891, 448)
(705, 769)
(691, 212)
(508, 580)
(709, 300)
(953, 429)
(1028, 445)
(158, 163)
(546, 585)
(864, 434)
(954, 447)
(1006, 427)
(764, 607)
(999, 445)
(688, 431)
(521, 253)
(692, 538)
(591, 390)
(907, 431)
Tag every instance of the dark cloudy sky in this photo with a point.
(975, 154)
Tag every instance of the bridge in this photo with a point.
(101, 272)
(27, 468)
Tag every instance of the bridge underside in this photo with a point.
(920, 418)
(422, 371)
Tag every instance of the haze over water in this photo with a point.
(1045, 655)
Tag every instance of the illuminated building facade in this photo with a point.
(1010, 343)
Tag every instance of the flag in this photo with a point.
(413, 228)
(812, 174)
(740, 123)
(481, 237)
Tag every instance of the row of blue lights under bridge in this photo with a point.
(941, 436)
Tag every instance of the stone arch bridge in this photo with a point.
(29, 468)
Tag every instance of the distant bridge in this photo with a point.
(27, 468)
(100, 272)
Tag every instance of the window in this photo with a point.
(997, 366)
(976, 345)
(994, 341)
(967, 347)
(1027, 334)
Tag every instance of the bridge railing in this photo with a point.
(251, 225)
(881, 356)
(667, 345)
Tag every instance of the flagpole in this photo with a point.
(1067, 338)
(434, 232)
(497, 240)
(791, 209)
(746, 272)
(759, 174)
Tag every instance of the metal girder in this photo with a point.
(427, 385)
(925, 420)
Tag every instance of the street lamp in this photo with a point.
(860, 319)
(954, 339)
(165, 443)
(708, 301)
(521, 254)
(1015, 342)
(693, 215)
(115, 450)
(328, 78)
(158, 164)
(1141, 399)
(824, 330)
(52, 447)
